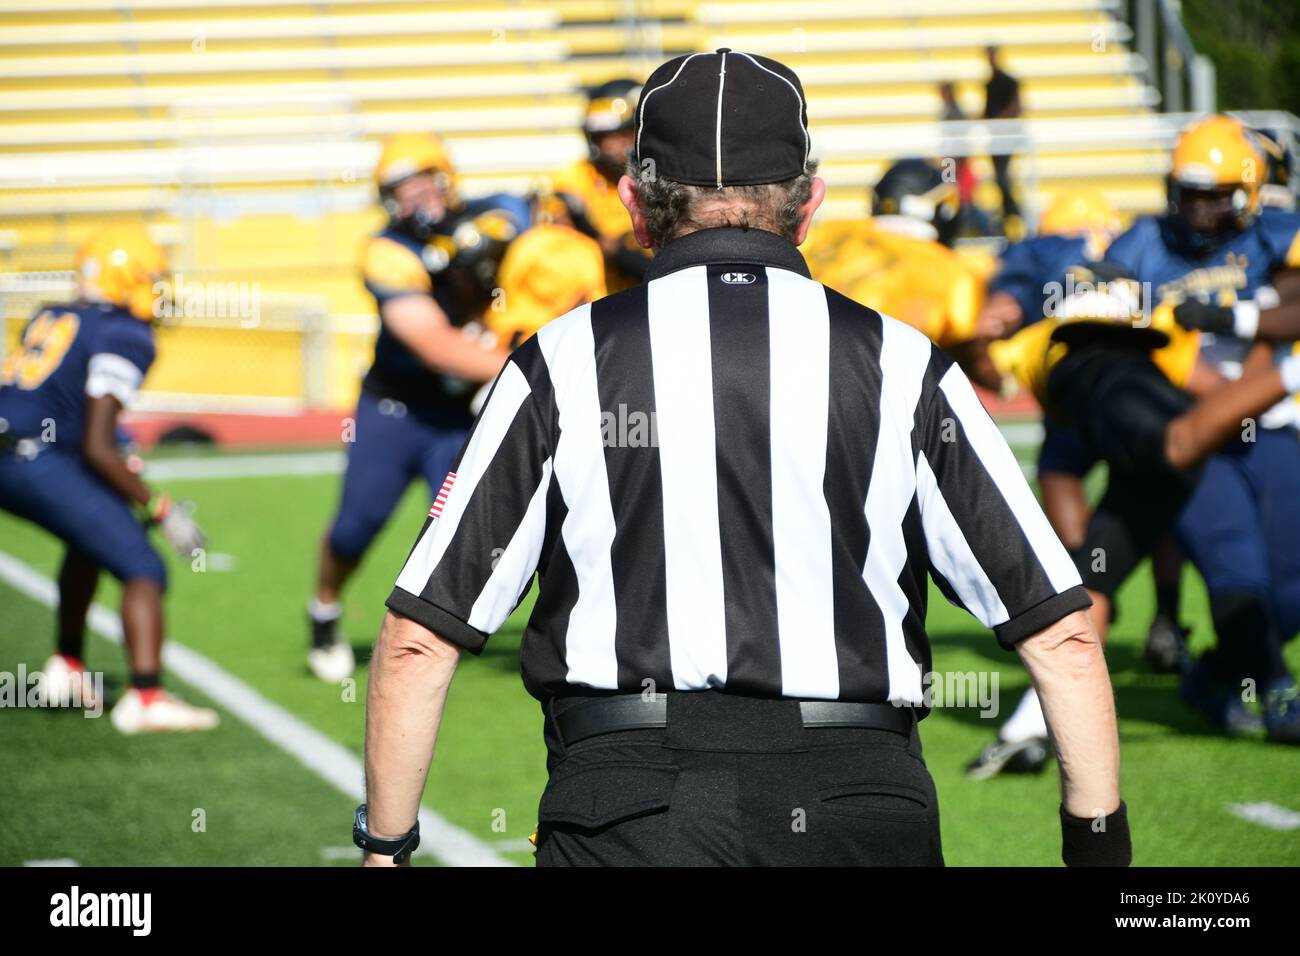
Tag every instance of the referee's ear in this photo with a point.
(810, 207)
(627, 193)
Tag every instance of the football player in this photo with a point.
(61, 392)
(1076, 229)
(548, 271)
(588, 189)
(1217, 249)
(432, 273)
(898, 260)
(1098, 366)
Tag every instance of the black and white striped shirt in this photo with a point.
(733, 477)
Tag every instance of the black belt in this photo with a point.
(603, 715)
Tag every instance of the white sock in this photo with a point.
(320, 611)
(1026, 722)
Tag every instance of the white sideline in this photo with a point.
(245, 466)
(333, 763)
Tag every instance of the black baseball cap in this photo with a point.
(723, 119)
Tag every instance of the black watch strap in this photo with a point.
(399, 849)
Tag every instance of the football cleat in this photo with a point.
(333, 663)
(1221, 704)
(156, 711)
(65, 683)
(1166, 647)
(1028, 756)
(1282, 712)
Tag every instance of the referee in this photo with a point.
(732, 482)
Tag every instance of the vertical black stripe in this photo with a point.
(532, 363)
(912, 581)
(542, 651)
(853, 429)
(493, 514)
(739, 339)
(986, 520)
(511, 477)
(625, 386)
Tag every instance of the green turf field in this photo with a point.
(72, 788)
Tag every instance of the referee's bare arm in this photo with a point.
(410, 672)
(1066, 664)
(993, 552)
(471, 566)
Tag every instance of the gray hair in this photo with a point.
(673, 209)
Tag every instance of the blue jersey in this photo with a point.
(1150, 252)
(1029, 266)
(394, 264)
(68, 353)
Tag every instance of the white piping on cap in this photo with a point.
(717, 141)
(646, 98)
(800, 107)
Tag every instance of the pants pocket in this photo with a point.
(876, 800)
(603, 794)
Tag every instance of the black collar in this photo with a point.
(727, 244)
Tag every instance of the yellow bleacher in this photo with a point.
(246, 129)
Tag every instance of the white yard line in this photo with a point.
(332, 762)
(245, 466)
(1022, 433)
(1266, 814)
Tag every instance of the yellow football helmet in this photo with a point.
(1218, 153)
(122, 265)
(406, 154)
(547, 271)
(1083, 213)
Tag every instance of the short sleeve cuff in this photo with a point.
(1041, 616)
(437, 619)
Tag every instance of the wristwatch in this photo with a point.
(400, 849)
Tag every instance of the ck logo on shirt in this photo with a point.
(738, 278)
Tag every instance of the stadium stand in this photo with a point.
(245, 129)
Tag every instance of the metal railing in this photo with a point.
(1184, 77)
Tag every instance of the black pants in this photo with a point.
(737, 781)
(1122, 405)
(1002, 175)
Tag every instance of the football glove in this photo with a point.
(177, 525)
(1199, 316)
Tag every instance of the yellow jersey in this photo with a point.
(914, 279)
(597, 201)
(549, 270)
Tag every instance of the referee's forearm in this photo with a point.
(1069, 672)
(409, 675)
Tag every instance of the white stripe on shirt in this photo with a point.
(799, 341)
(678, 307)
(568, 345)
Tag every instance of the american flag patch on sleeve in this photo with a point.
(441, 498)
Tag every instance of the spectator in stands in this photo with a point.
(1002, 101)
(970, 220)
